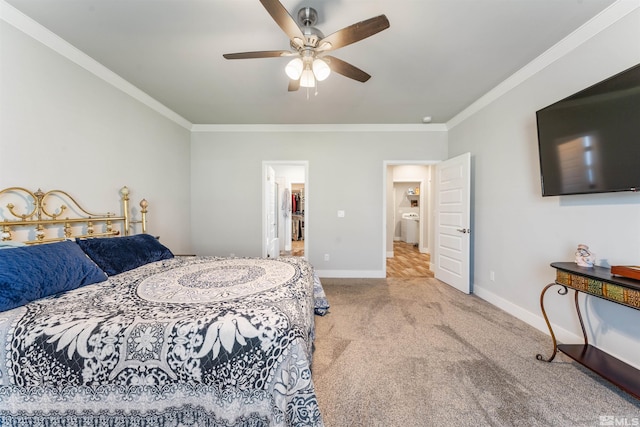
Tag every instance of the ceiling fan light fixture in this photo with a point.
(294, 68)
(321, 69)
(307, 79)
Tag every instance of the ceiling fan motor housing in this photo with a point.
(307, 17)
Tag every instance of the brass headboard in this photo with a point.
(40, 218)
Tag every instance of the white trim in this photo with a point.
(321, 128)
(263, 203)
(351, 274)
(591, 28)
(33, 29)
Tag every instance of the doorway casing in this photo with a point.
(276, 164)
(425, 190)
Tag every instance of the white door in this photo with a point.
(272, 246)
(284, 218)
(453, 222)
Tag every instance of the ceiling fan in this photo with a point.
(311, 62)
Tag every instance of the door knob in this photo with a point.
(464, 230)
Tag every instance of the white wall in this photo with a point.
(345, 173)
(518, 233)
(61, 127)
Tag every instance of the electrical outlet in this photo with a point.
(326, 257)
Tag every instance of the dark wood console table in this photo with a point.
(599, 282)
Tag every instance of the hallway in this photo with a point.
(408, 262)
(297, 249)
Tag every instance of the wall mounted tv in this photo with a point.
(590, 141)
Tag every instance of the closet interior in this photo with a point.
(297, 212)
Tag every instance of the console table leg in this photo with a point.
(562, 291)
(584, 332)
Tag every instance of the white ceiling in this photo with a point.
(437, 57)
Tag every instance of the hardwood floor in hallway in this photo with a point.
(297, 249)
(407, 261)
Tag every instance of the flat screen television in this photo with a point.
(590, 141)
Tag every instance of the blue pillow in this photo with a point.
(119, 254)
(32, 272)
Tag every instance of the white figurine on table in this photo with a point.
(584, 258)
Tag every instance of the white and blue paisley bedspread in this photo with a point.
(189, 341)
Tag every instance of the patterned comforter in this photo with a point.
(187, 341)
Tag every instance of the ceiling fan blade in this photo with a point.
(258, 54)
(283, 19)
(354, 33)
(294, 85)
(346, 69)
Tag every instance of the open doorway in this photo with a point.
(291, 208)
(408, 211)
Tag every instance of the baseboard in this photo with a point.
(390, 254)
(351, 274)
(535, 320)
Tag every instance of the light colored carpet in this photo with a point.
(416, 352)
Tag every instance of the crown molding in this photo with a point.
(410, 127)
(591, 28)
(600, 22)
(33, 29)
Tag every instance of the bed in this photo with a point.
(100, 326)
